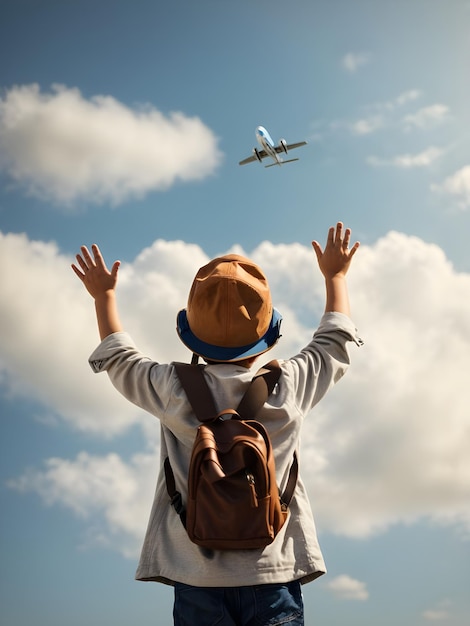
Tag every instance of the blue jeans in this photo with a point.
(260, 605)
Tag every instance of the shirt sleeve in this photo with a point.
(323, 362)
(143, 381)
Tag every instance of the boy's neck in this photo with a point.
(248, 363)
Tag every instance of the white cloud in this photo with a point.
(367, 126)
(382, 113)
(440, 613)
(458, 186)
(64, 147)
(386, 115)
(352, 61)
(408, 161)
(112, 495)
(434, 615)
(426, 117)
(407, 96)
(389, 106)
(348, 588)
(388, 446)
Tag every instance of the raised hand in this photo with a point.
(93, 272)
(334, 264)
(336, 258)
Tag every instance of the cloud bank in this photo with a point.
(63, 147)
(389, 445)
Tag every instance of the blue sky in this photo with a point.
(122, 123)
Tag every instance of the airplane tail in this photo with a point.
(281, 162)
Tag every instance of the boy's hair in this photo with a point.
(229, 315)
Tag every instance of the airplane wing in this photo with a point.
(282, 162)
(250, 159)
(290, 146)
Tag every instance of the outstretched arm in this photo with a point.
(334, 264)
(100, 284)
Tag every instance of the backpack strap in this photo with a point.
(259, 390)
(202, 403)
(199, 395)
(175, 496)
(286, 497)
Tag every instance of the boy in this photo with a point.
(229, 321)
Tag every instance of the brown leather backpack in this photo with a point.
(233, 498)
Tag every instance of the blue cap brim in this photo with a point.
(217, 353)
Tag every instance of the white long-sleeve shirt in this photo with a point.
(168, 555)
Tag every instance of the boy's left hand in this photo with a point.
(337, 256)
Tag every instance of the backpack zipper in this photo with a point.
(251, 481)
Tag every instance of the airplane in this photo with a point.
(269, 149)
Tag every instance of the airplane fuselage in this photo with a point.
(265, 141)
